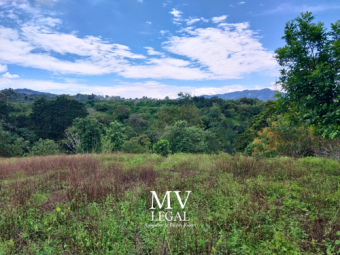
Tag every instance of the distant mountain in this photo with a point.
(263, 94)
(30, 92)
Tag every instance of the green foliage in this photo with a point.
(138, 123)
(122, 112)
(138, 144)
(239, 205)
(310, 73)
(11, 145)
(52, 118)
(187, 112)
(282, 138)
(44, 147)
(162, 147)
(89, 133)
(114, 137)
(258, 123)
(184, 138)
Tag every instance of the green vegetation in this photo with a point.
(162, 147)
(276, 191)
(100, 204)
(190, 124)
(311, 73)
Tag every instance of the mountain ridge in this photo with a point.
(261, 94)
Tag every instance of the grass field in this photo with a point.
(99, 204)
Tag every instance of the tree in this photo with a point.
(44, 147)
(137, 122)
(139, 144)
(162, 147)
(189, 113)
(281, 138)
(311, 73)
(89, 133)
(114, 138)
(184, 138)
(52, 117)
(259, 121)
(122, 112)
(11, 145)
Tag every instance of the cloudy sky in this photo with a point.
(154, 48)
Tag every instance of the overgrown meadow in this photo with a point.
(99, 204)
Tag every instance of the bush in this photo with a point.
(162, 147)
(190, 139)
(138, 144)
(114, 138)
(282, 138)
(11, 145)
(44, 147)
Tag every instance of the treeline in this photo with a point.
(65, 125)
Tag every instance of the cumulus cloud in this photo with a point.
(149, 22)
(3, 68)
(33, 45)
(222, 52)
(7, 75)
(152, 89)
(227, 52)
(219, 19)
(241, 3)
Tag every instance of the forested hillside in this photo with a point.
(66, 124)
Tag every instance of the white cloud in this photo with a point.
(191, 21)
(33, 45)
(124, 89)
(151, 51)
(205, 20)
(177, 16)
(241, 3)
(140, 1)
(219, 19)
(166, 68)
(176, 13)
(7, 75)
(163, 32)
(3, 68)
(288, 8)
(228, 52)
(149, 22)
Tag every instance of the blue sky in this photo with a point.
(154, 48)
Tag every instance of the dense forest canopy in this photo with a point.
(202, 124)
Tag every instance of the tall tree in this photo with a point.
(52, 117)
(311, 72)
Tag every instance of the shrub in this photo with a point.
(114, 138)
(190, 139)
(138, 144)
(89, 133)
(162, 147)
(282, 138)
(44, 147)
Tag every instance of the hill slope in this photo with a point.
(30, 92)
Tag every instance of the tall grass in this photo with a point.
(99, 204)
